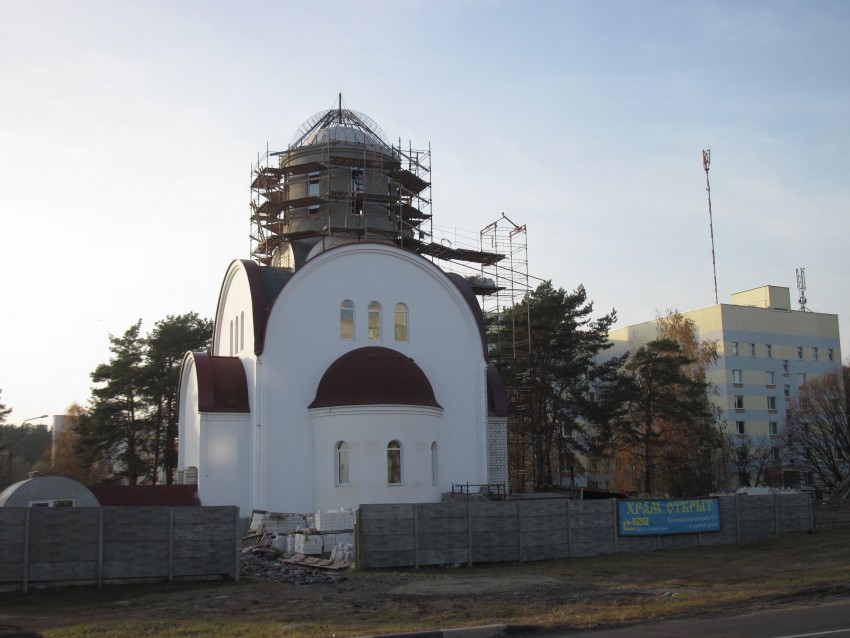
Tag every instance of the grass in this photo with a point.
(574, 593)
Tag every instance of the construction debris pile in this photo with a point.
(324, 540)
(267, 565)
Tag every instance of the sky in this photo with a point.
(128, 131)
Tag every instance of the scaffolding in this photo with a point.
(341, 180)
(509, 335)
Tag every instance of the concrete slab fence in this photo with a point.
(116, 544)
(413, 535)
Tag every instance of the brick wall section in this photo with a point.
(497, 450)
(97, 545)
(410, 535)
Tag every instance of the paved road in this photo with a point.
(828, 620)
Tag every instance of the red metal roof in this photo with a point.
(146, 495)
(374, 376)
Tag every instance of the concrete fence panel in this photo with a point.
(112, 544)
(411, 535)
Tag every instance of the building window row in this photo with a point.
(768, 352)
(374, 321)
(394, 463)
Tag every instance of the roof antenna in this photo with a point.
(339, 112)
(801, 287)
(706, 160)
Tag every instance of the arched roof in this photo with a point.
(374, 376)
(47, 488)
(222, 384)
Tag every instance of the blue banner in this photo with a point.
(668, 516)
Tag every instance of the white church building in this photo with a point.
(346, 367)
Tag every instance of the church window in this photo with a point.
(242, 331)
(394, 463)
(346, 319)
(400, 322)
(434, 463)
(230, 345)
(236, 336)
(375, 320)
(342, 463)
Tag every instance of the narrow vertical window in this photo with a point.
(785, 366)
(800, 352)
(771, 403)
(434, 463)
(769, 378)
(752, 349)
(236, 336)
(830, 354)
(394, 463)
(400, 322)
(242, 332)
(768, 351)
(736, 377)
(774, 427)
(734, 348)
(346, 319)
(815, 354)
(741, 427)
(231, 338)
(375, 321)
(342, 463)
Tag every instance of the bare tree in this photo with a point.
(817, 433)
(756, 459)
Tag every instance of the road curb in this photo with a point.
(482, 631)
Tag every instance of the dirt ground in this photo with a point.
(300, 601)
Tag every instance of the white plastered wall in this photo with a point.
(302, 341)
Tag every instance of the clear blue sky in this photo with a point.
(127, 131)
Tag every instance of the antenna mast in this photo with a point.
(801, 287)
(706, 160)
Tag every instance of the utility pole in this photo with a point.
(706, 160)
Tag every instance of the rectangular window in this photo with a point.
(830, 354)
(768, 351)
(742, 453)
(785, 366)
(774, 453)
(356, 180)
(739, 401)
(774, 427)
(801, 378)
(735, 348)
(741, 427)
(768, 378)
(737, 377)
(313, 188)
(800, 352)
(752, 349)
(814, 354)
(771, 403)
(787, 390)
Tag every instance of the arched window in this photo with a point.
(341, 463)
(346, 319)
(236, 336)
(400, 322)
(394, 463)
(230, 352)
(374, 320)
(242, 332)
(434, 480)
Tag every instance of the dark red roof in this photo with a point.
(374, 376)
(146, 495)
(222, 384)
